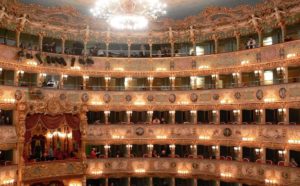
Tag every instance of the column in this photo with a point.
(238, 40)
(237, 79)
(150, 181)
(106, 150)
(215, 81)
(172, 81)
(216, 43)
(194, 47)
(195, 182)
(238, 116)
(84, 180)
(194, 116)
(40, 79)
(283, 32)
(150, 48)
(173, 181)
(260, 75)
(218, 183)
(15, 156)
(172, 116)
(149, 116)
(172, 48)
(85, 47)
(150, 79)
(106, 181)
(239, 153)
(263, 116)
(128, 150)
(84, 82)
(216, 149)
(16, 78)
(286, 157)
(286, 118)
(18, 33)
(172, 148)
(216, 116)
(83, 129)
(285, 74)
(194, 151)
(128, 181)
(150, 150)
(107, 80)
(263, 154)
(41, 37)
(193, 80)
(63, 45)
(106, 115)
(129, 49)
(61, 81)
(107, 49)
(128, 116)
(260, 38)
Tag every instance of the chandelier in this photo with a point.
(128, 14)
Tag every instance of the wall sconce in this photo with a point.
(269, 100)
(150, 146)
(226, 175)
(247, 139)
(214, 76)
(107, 78)
(183, 172)
(129, 112)
(235, 112)
(172, 78)
(193, 78)
(236, 149)
(244, 62)
(118, 69)
(21, 73)
(8, 182)
(128, 79)
(65, 76)
(9, 100)
(106, 147)
(203, 67)
(193, 111)
(149, 112)
(75, 184)
(270, 181)
(258, 112)
(193, 147)
(292, 55)
(280, 69)
(139, 171)
(150, 78)
(86, 78)
(97, 172)
(172, 147)
(129, 146)
(160, 69)
(236, 74)
(1, 70)
(257, 72)
(43, 76)
(281, 110)
(117, 137)
(172, 112)
(204, 137)
(214, 148)
(281, 153)
(292, 141)
(258, 151)
(96, 103)
(107, 112)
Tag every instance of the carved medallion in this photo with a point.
(285, 175)
(172, 98)
(106, 98)
(53, 106)
(150, 98)
(85, 97)
(139, 131)
(128, 98)
(237, 95)
(195, 165)
(259, 94)
(194, 97)
(173, 164)
(282, 93)
(216, 97)
(62, 97)
(107, 165)
(18, 95)
(227, 132)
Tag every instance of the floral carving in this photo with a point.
(150, 98)
(216, 97)
(194, 97)
(106, 98)
(128, 98)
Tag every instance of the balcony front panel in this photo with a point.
(225, 170)
(235, 135)
(56, 169)
(8, 175)
(270, 56)
(8, 138)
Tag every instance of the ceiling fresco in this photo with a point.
(177, 9)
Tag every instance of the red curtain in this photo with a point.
(52, 122)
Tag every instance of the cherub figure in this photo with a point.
(254, 21)
(3, 13)
(22, 21)
(278, 14)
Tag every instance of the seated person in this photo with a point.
(251, 43)
(156, 121)
(163, 121)
(163, 153)
(93, 153)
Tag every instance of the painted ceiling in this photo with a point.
(177, 9)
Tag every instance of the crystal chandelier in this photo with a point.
(128, 14)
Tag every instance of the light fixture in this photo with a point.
(292, 55)
(183, 172)
(86, 77)
(204, 137)
(293, 141)
(129, 14)
(139, 171)
(226, 175)
(97, 172)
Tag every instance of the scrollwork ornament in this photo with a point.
(85, 97)
(282, 93)
(18, 95)
(227, 132)
(128, 98)
(259, 94)
(172, 98)
(62, 97)
(216, 97)
(150, 98)
(106, 98)
(194, 97)
(237, 95)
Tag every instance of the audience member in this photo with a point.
(251, 43)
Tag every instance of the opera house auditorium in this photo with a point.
(149, 93)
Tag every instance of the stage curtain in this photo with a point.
(73, 121)
(31, 121)
(52, 122)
